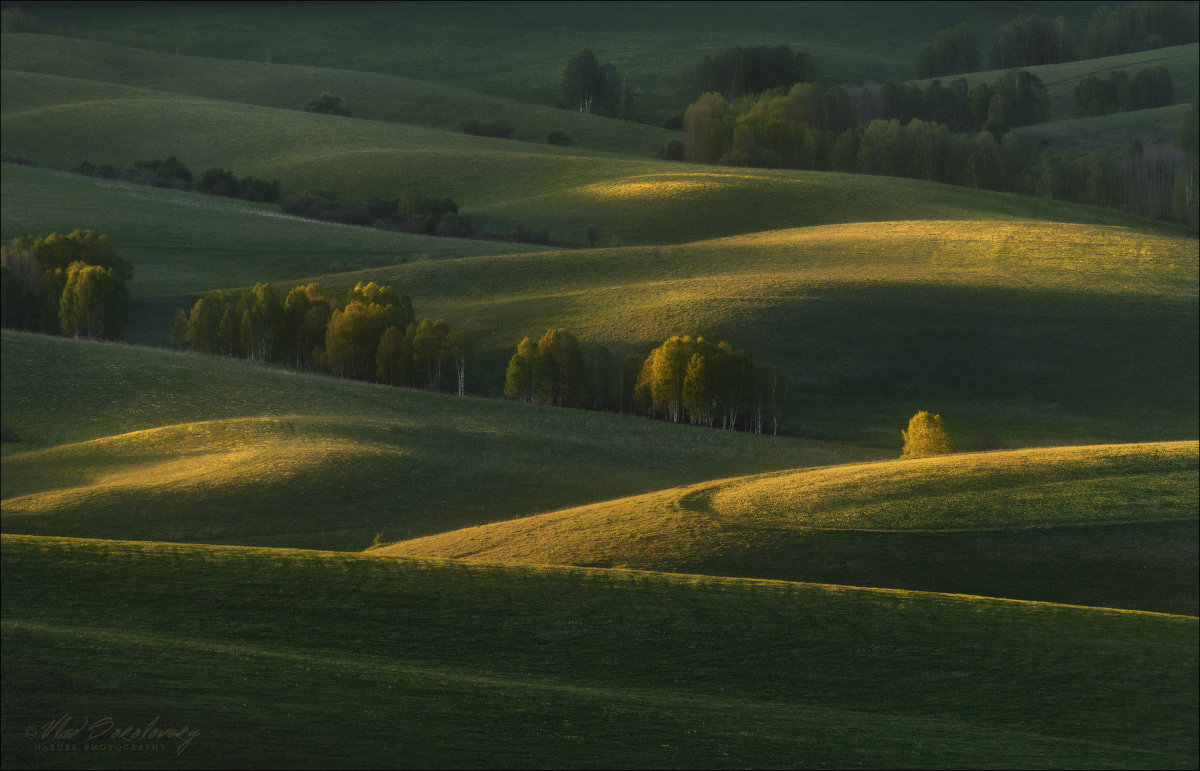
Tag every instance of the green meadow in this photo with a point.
(435, 662)
(283, 568)
(1111, 526)
(473, 47)
(179, 447)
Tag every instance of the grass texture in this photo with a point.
(291, 658)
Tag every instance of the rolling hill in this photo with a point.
(1001, 324)
(173, 447)
(1106, 526)
(281, 657)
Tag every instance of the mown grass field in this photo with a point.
(1104, 526)
(311, 658)
(171, 447)
(470, 46)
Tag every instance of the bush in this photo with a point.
(925, 436)
(328, 104)
(559, 137)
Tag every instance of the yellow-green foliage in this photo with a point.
(925, 436)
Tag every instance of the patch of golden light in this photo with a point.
(198, 456)
(649, 188)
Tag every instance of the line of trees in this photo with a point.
(714, 132)
(372, 335)
(794, 130)
(741, 70)
(1140, 26)
(71, 285)
(172, 173)
(1031, 40)
(683, 380)
(1149, 87)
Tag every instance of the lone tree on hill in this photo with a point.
(925, 436)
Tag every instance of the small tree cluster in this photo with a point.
(72, 285)
(740, 70)
(1149, 87)
(925, 436)
(166, 172)
(593, 88)
(328, 104)
(222, 182)
(697, 381)
(955, 51)
(1028, 41)
(172, 173)
(1140, 26)
(683, 380)
(372, 335)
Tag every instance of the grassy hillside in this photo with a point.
(1034, 332)
(369, 95)
(286, 658)
(163, 446)
(473, 46)
(1109, 132)
(1108, 525)
(1024, 330)
(58, 121)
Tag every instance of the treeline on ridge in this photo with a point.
(683, 380)
(372, 335)
(1149, 87)
(799, 129)
(70, 285)
(1031, 40)
(172, 173)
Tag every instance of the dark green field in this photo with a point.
(218, 563)
(352, 661)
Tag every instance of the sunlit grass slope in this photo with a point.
(1103, 525)
(519, 50)
(305, 659)
(1033, 332)
(369, 95)
(562, 190)
(122, 442)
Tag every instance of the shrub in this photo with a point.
(925, 436)
(328, 104)
(559, 137)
